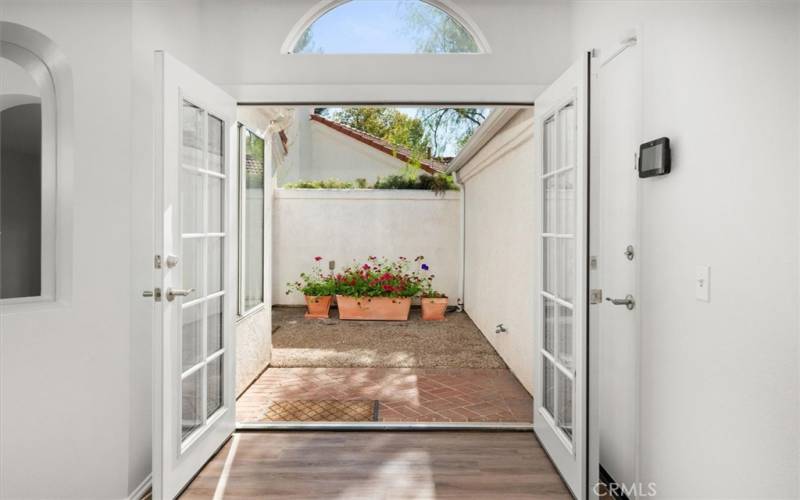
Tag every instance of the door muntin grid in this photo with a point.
(559, 271)
(201, 344)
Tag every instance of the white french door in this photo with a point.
(194, 370)
(561, 131)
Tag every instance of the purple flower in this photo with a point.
(425, 267)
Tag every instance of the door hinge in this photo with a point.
(157, 262)
(595, 296)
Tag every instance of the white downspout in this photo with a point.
(462, 239)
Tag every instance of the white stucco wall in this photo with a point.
(354, 224)
(500, 253)
(719, 379)
(338, 156)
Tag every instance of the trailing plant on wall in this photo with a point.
(438, 183)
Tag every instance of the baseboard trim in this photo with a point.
(143, 490)
(385, 426)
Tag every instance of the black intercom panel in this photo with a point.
(654, 158)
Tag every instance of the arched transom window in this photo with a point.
(385, 27)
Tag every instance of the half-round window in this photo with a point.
(386, 27)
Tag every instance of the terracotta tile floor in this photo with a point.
(405, 394)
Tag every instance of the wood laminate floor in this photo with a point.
(379, 465)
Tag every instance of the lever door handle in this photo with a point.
(628, 302)
(177, 292)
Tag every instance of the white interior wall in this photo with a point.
(500, 250)
(720, 379)
(64, 367)
(347, 225)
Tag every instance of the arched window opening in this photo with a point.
(386, 27)
(33, 141)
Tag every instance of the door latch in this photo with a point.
(627, 302)
(595, 296)
(154, 293)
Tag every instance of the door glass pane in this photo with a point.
(549, 163)
(566, 202)
(192, 262)
(191, 201)
(252, 222)
(191, 403)
(548, 381)
(549, 205)
(214, 386)
(565, 336)
(549, 324)
(550, 265)
(567, 118)
(564, 418)
(192, 125)
(215, 144)
(214, 265)
(192, 336)
(216, 202)
(566, 269)
(214, 316)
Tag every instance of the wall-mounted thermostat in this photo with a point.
(654, 158)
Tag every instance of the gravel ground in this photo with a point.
(453, 343)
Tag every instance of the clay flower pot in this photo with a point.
(374, 308)
(433, 308)
(318, 307)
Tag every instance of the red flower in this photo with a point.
(388, 288)
(365, 267)
(318, 258)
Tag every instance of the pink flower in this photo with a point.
(365, 267)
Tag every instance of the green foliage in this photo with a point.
(373, 278)
(314, 283)
(435, 31)
(390, 125)
(380, 278)
(438, 183)
(322, 184)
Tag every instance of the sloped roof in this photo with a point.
(399, 152)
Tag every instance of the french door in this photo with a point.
(194, 358)
(560, 128)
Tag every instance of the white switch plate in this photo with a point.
(702, 283)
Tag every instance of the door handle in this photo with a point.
(177, 292)
(628, 302)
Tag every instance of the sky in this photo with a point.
(367, 26)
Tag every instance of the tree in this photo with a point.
(388, 124)
(434, 31)
(448, 129)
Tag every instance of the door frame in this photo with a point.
(600, 58)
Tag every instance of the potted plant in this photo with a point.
(318, 289)
(377, 289)
(433, 303)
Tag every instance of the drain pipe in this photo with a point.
(462, 238)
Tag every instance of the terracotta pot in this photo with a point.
(373, 308)
(318, 307)
(433, 308)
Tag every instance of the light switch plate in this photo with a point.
(702, 283)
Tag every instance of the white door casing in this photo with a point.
(614, 221)
(560, 411)
(194, 348)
